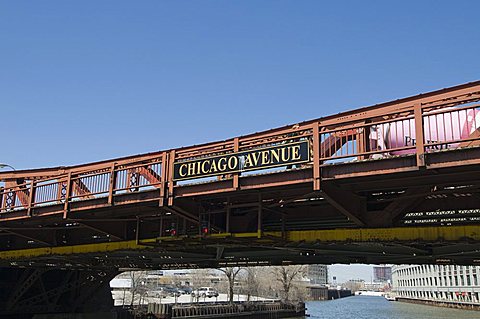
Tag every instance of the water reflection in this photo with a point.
(365, 307)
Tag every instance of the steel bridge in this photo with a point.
(396, 182)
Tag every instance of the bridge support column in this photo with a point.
(25, 292)
(171, 183)
(420, 143)
(317, 175)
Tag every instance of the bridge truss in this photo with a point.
(397, 182)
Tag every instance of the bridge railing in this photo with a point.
(83, 186)
(50, 192)
(452, 128)
(363, 141)
(425, 124)
(447, 128)
(14, 198)
(138, 177)
(90, 185)
(444, 128)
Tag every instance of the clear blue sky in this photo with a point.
(89, 80)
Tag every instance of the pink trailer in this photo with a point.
(442, 130)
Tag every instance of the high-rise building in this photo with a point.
(318, 274)
(382, 273)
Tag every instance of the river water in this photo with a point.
(366, 307)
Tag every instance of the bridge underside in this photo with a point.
(25, 292)
(397, 182)
(299, 247)
(412, 216)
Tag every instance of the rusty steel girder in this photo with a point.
(364, 168)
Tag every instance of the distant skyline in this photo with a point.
(344, 273)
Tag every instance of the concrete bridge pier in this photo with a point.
(28, 291)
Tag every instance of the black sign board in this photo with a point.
(262, 158)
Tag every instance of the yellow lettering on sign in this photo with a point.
(248, 160)
(180, 170)
(199, 167)
(232, 162)
(222, 164)
(285, 154)
(213, 167)
(275, 155)
(204, 169)
(265, 158)
(252, 159)
(191, 169)
(295, 152)
(256, 158)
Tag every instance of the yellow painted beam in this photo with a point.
(74, 250)
(428, 234)
(385, 235)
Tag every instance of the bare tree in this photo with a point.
(251, 282)
(267, 282)
(137, 287)
(286, 275)
(231, 273)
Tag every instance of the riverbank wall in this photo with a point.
(324, 293)
(442, 303)
(251, 310)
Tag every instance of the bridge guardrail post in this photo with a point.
(2, 191)
(31, 198)
(9, 196)
(170, 178)
(316, 157)
(113, 182)
(163, 179)
(61, 185)
(2, 199)
(362, 142)
(67, 195)
(236, 176)
(419, 135)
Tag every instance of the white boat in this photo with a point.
(369, 293)
(390, 297)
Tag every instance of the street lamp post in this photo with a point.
(3, 165)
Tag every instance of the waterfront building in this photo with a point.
(318, 274)
(382, 273)
(354, 285)
(437, 283)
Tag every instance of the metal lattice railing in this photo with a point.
(449, 121)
